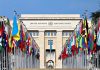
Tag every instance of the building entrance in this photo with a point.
(50, 58)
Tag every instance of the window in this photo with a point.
(50, 33)
(37, 33)
(54, 33)
(45, 33)
(50, 42)
(34, 33)
(66, 33)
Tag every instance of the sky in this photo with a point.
(7, 7)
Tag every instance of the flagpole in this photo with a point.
(15, 13)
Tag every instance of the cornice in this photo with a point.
(50, 18)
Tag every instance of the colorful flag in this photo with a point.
(1, 47)
(1, 29)
(80, 42)
(98, 25)
(98, 33)
(64, 54)
(81, 26)
(7, 22)
(86, 28)
(22, 41)
(15, 26)
(10, 41)
(98, 38)
(17, 36)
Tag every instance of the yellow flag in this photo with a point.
(17, 36)
(10, 41)
(76, 43)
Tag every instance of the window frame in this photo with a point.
(50, 41)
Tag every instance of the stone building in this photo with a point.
(50, 32)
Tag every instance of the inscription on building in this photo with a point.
(49, 23)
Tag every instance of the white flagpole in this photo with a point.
(25, 60)
(6, 60)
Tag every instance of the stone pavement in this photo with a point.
(51, 69)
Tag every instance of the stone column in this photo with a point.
(59, 49)
(41, 45)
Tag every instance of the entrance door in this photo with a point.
(50, 58)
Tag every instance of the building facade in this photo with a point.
(50, 32)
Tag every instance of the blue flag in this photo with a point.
(15, 26)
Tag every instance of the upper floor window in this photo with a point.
(66, 33)
(50, 33)
(53, 33)
(34, 33)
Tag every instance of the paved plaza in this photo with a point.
(52, 69)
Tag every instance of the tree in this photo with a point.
(95, 16)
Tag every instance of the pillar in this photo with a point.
(59, 49)
(41, 45)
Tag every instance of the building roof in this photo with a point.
(49, 16)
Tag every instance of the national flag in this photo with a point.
(90, 43)
(86, 27)
(29, 44)
(98, 33)
(22, 41)
(74, 47)
(17, 36)
(7, 22)
(80, 42)
(28, 41)
(4, 40)
(2, 36)
(83, 42)
(15, 26)
(94, 39)
(98, 25)
(81, 26)
(1, 47)
(64, 54)
(1, 28)
(10, 41)
(98, 38)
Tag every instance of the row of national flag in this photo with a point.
(84, 38)
(15, 36)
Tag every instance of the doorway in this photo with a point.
(50, 58)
